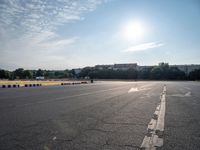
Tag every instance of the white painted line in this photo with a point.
(161, 117)
(138, 89)
(158, 141)
(145, 143)
(188, 94)
(152, 125)
(158, 107)
(154, 137)
(155, 115)
(54, 138)
(133, 90)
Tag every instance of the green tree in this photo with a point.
(131, 74)
(156, 73)
(194, 75)
(145, 73)
(39, 73)
(19, 73)
(4, 74)
(85, 72)
(66, 73)
(27, 74)
(72, 73)
(176, 74)
(48, 74)
(164, 67)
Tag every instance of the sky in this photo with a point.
(66, 34)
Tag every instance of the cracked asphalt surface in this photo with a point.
(99, 116)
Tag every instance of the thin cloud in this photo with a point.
(25, 19)
(37, 15)
(28, 29)
(144, 46)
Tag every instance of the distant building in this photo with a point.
(162, 63)
(139, 68)
(125, 66)
(187, 68)
(101, 67)
(77, 71)
(117, 66)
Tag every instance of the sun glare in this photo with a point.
(133, 31)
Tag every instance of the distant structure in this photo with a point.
(101, 67)
(77, 71)
(117, 66)
(139, 68)
(185, 68)
(125, 66)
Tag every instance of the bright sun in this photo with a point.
(133, 31)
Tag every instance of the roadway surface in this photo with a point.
(100, 116)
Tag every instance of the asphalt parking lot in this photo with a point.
(108, 115)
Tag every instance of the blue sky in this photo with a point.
(60, 34)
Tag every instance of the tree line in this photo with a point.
(20, 73)
(161, 72)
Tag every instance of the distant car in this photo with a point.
(40, 78)
(87, 77)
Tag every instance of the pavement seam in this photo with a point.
(155, 129)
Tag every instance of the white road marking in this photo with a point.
(146, 142)
(157, 141)
(138, 89)
(188, 94)
(133, 90)
(155, 128)
(151, 125)
(161, 117)
(54, 138)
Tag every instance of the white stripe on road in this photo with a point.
(138, 89)
(161, 118)
(155, 129)
(188, 94)
(133, 90)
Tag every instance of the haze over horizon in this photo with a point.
(65, 34)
